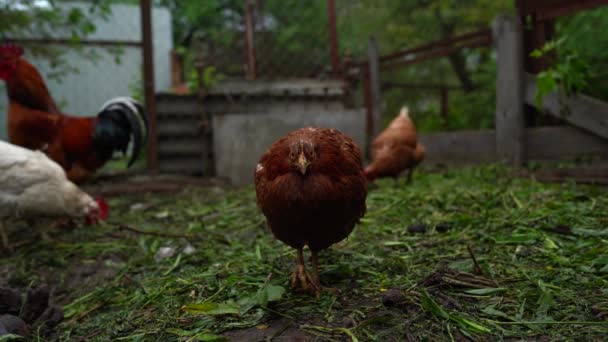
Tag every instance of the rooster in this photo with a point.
(395, 149)
(311, 188)
(32, 185)
(81, 145)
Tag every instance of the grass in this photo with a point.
(501, 258)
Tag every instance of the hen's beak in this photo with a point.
(303, 163)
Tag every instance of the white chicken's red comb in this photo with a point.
(8, 50)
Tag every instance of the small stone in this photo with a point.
(162, 215)
(14, 325)
(164, 253)
(138, 207)
(10, 301)
(189, 249)
(417, 228)
(392, 297)
(37, 301)
(443, 227)
(50, 318)
(348, 322)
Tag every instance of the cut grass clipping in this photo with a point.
(470, 253)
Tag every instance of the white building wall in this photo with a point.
(100, 79)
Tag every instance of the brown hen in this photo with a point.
(311, 188)
(396, 149)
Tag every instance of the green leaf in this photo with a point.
(434, 308)
(517, 239)
(465, 323)
(470, 325)
(212, 309)
(550, 244)
(209, 337)
(394, 243)
(496, 313)
(199, 336)
(274, 292)
(486, 291)
(545, 84)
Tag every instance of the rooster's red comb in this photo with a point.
(8, 50)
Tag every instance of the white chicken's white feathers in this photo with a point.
(33, 184)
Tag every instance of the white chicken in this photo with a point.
(32, 186)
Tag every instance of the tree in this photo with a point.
(22, 19)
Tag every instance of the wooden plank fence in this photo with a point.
(511, 141)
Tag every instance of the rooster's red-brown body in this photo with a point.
(80, 145)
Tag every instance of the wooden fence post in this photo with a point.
(251, 73)
(149, 91)
(510, 125)
(374, 79)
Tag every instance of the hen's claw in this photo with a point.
(4, 239)
(301, 279)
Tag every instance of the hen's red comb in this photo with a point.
(10, 50)
(104, 208)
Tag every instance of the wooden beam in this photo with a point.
(369, 115)
(436, 53)
(443, 92)
(447, 42)
(374, 80)
(510, 133)
(421, 86)
(333, 37)
(579, 110)
(544, 10)
(563, 142)
(459, 148)
(86, 42)
(545, 144)
(251, 72)
(148, 70)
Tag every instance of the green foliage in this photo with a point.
(540, 249)
(568, 75)
(28, 18)
(587, 42)
(405, 24)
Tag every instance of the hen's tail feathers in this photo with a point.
(405, 112)
(121, 120)
(419, 153)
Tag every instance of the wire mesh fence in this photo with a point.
(261, 39)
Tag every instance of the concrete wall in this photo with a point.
(240, 139)
(82, 93)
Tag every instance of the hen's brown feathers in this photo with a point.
(395, 149)
(320, 207)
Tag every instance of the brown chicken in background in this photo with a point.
(311, 188)
(81, 145)
(396, 149)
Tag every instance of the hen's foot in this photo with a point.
(301, 279)
(4, 240)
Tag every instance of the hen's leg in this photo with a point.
(300, 279)
(78, 173)
(314, 257)
(409, 175)
(4, 238)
